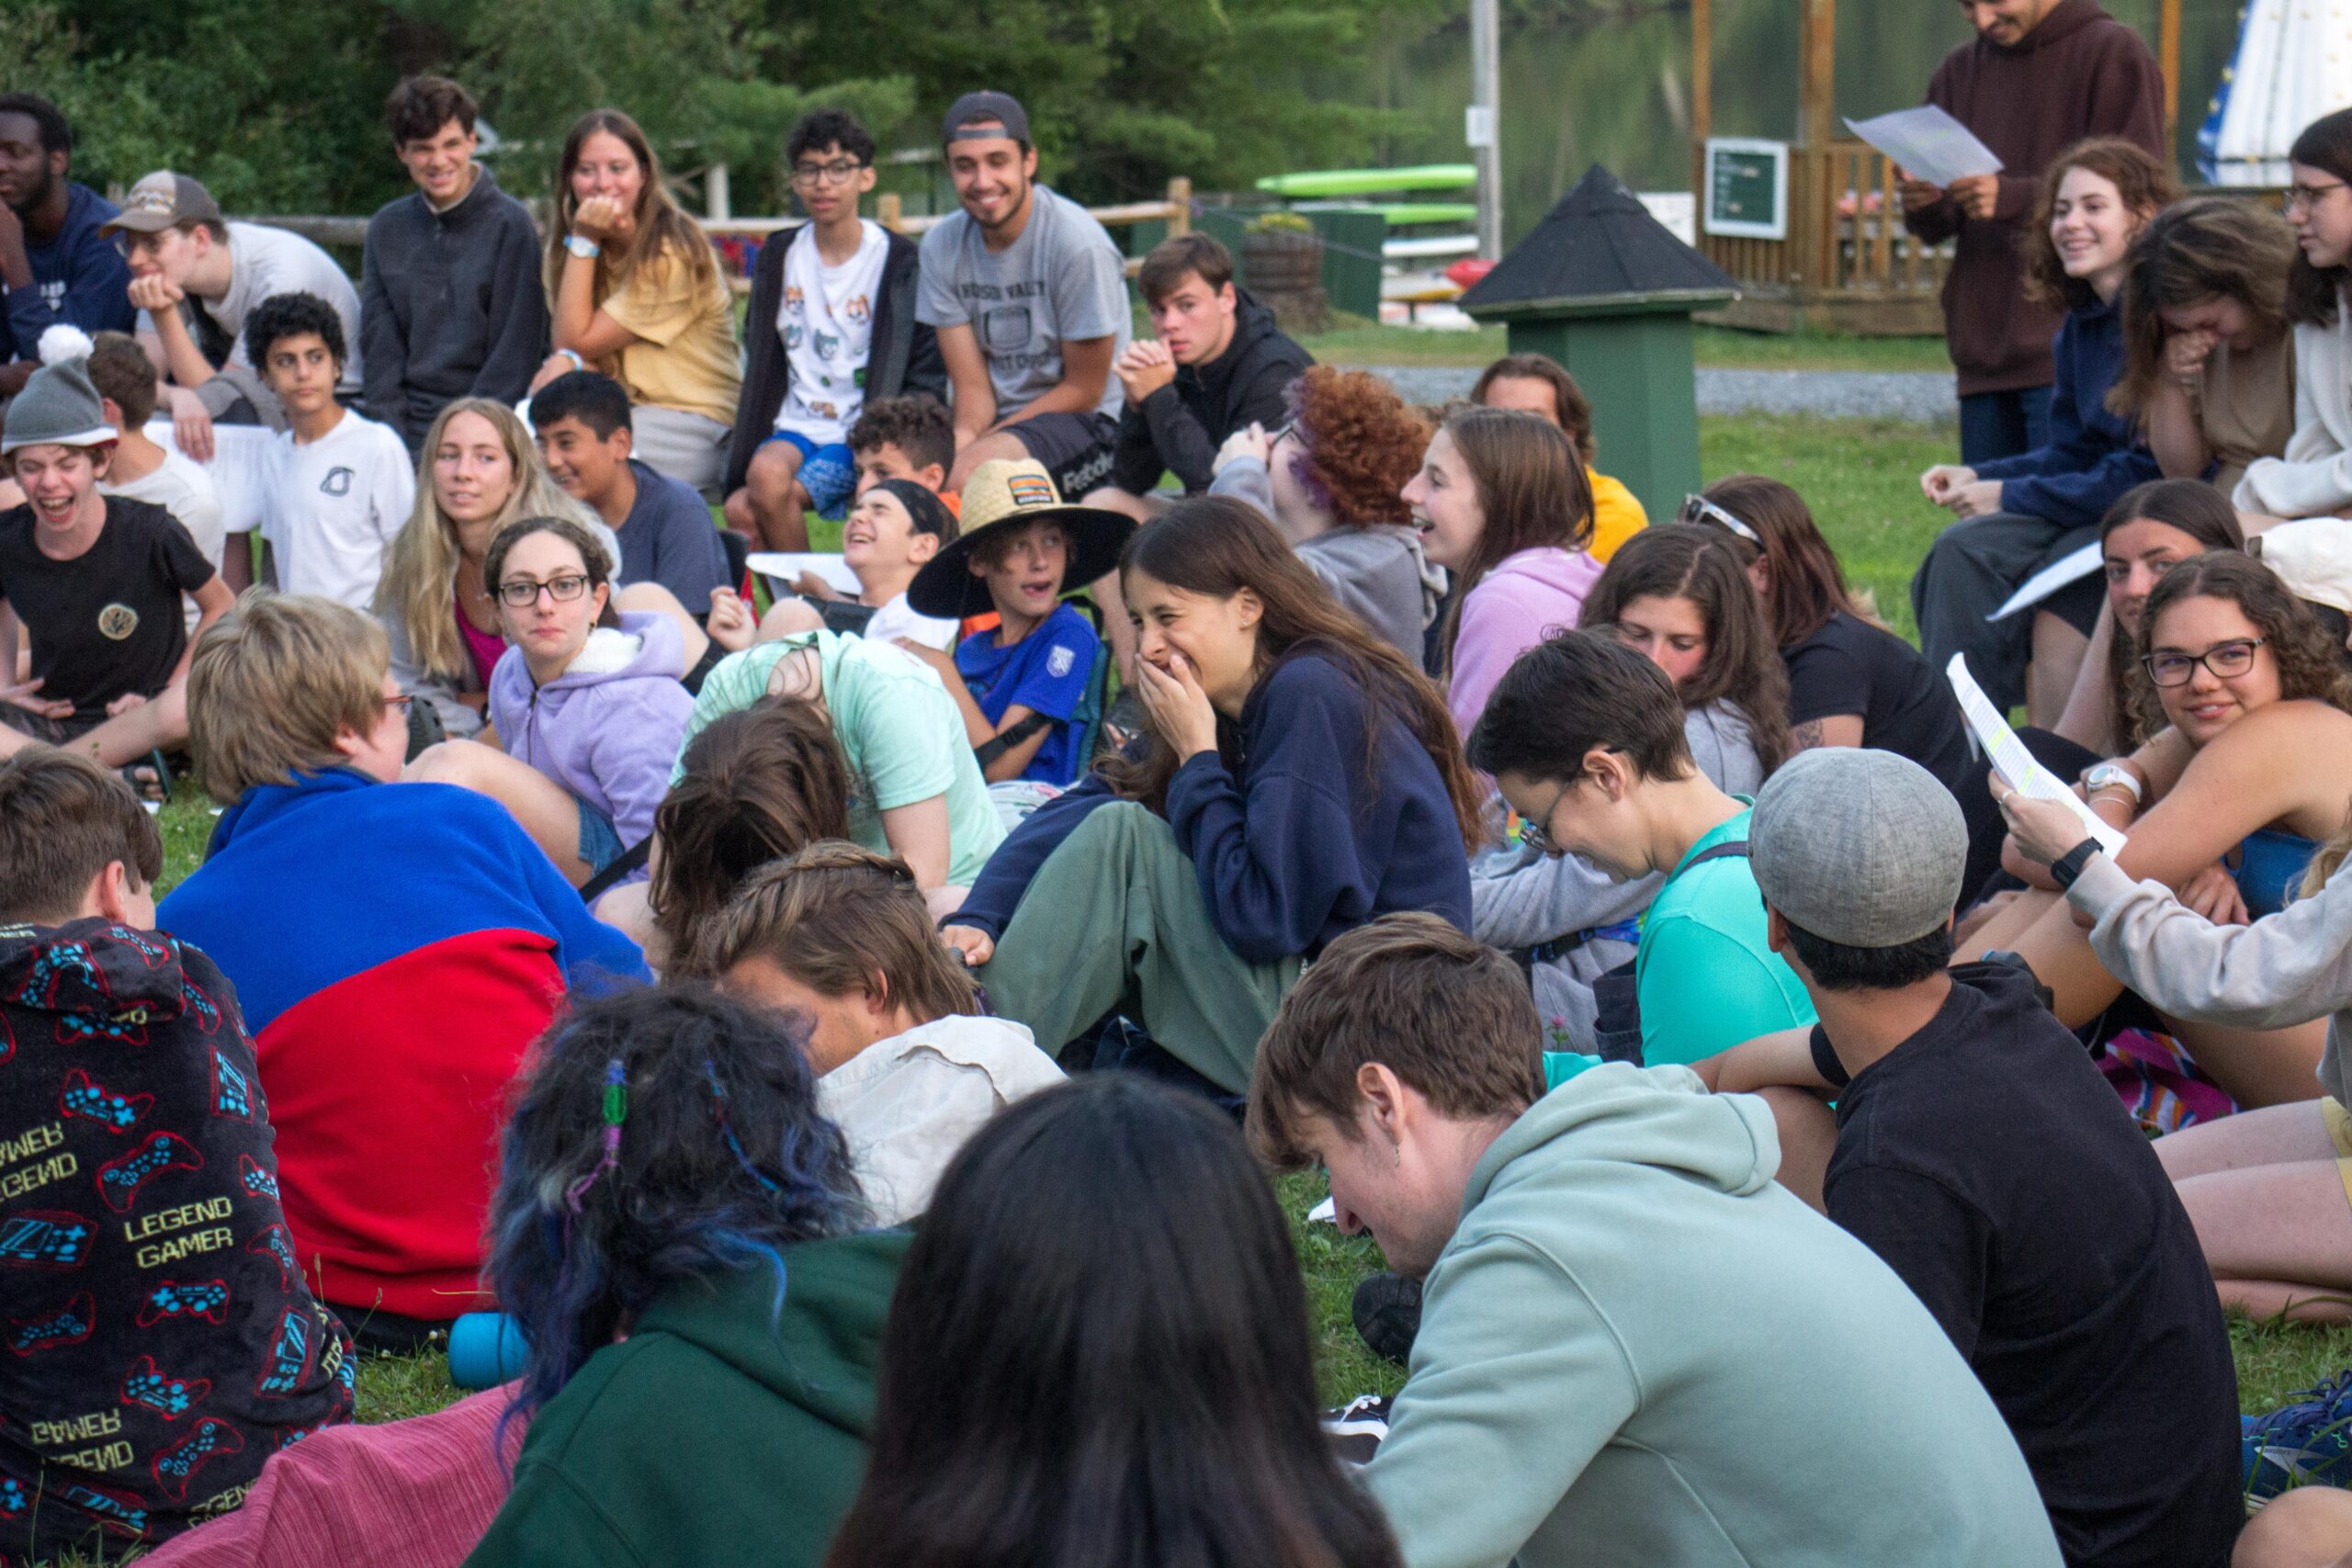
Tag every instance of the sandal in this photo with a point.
(150, 778)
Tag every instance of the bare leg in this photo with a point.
(776, 507)
(789, 616)
(159, 724)
(652, 598)
(1001, 447)
(2259, 1067)
(544, 808)
(629, 908)
(2058, 650)
(1808, 1136)
(2309, 1526)
(2278, 1237)
(2276, 1134)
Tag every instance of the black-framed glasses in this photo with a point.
(1699, 509)
(522, 595)
(2227, 661)
(2307, 196)
(840, 171)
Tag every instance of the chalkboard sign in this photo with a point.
(1748, 188)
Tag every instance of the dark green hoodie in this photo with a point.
(705, 1437)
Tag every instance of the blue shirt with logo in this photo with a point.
(1047, 673)
(79, 278)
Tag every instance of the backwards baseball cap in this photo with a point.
(982, 108)
(1864, 849)
(164, 200)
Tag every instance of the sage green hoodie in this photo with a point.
(1637, 1350)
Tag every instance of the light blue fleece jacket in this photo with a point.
(1637, 1350)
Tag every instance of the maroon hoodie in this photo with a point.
(2080, 74)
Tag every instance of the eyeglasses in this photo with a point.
(1699, 509)
(838, 173)
(2307, 196)
(1536, 837)
(521, 596)
(2227, 661)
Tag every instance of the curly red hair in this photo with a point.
(1361, 444)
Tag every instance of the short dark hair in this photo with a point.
(1571, 410)
(1450, 1015)
(63, 819)
(121, 372)
(1163, 271)
(56, 130)
(421, 105)
(916, 425)
(1837, 968)
(594, 398)
(1570, 692)
(820, 129)
(291, 315)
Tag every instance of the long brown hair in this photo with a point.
(2146, 187)
(2313, 293)
(1687, 561)
(664, 235)
(2198, 510)
(1215, 546)
(2310, 663)
(1531, 493)
(759, 783)
(2204, 248)
(1808, 586)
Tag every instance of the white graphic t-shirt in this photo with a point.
(827, 325)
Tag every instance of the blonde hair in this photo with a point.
(420, 578)
(841, 919)
(2331, 856)
(274, 682)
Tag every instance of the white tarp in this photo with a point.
(2293, 64)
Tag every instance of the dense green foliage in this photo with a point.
(277, 106)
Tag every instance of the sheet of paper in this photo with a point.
(2067, 569)
(784, 568)
(1325, 1212)
(2013, 761)
(1927, 144)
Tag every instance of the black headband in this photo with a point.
(925, 509)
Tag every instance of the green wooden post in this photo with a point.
(1634, 363)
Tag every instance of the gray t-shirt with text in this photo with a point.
(1063, 280)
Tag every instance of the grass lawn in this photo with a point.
(1859, 476)
(1354, 341)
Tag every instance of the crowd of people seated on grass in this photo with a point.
(847, 1031)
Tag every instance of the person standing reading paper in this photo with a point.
(2038, 76)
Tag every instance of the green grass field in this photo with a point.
(1355, 341)
(1859, 476)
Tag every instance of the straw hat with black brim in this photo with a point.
(998, 498)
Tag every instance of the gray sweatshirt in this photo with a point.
(1520, 898)
(2284, 969)
(1377, 571)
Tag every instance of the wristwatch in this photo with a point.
(2112, 776)
(581, 246)
(2068, 866)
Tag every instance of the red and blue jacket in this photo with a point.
(395, 949)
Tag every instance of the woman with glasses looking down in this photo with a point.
(586, 701)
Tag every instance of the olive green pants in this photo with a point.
(1113, 921)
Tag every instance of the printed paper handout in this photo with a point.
(1927, 144)
(2013, 761)
(783, 569)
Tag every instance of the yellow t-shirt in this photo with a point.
(686, 359)
(1617, 516)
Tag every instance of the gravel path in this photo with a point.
(1921, 396)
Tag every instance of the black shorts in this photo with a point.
(1076, 449)
(51, 731)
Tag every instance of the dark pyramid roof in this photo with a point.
(1599, 247)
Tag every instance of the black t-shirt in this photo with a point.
(109, 621)
(1852, 667)
(1990, 1165)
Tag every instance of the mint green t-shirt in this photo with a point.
(1705, 976)
(899, 732)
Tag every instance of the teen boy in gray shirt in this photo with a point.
(450, 299)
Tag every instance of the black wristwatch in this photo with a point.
(2068, 866)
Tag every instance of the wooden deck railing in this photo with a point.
(1846, 233)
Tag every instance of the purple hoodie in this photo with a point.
(608, 728)
(1523, 599)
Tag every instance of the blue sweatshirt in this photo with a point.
(2092, 457)
(79, 278)
(1295, 841)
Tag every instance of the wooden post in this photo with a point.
(885, 209)
(1702, 105)
(1180, 206)
(2169, 62)
(717, 200)
(1817, 72)
(1486, 107)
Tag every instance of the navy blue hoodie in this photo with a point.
(79, 278)
(2092, 455)
(1295, 838)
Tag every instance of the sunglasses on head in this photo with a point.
(1699, 509)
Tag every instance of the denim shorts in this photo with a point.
(828, 473)
(599, 845)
